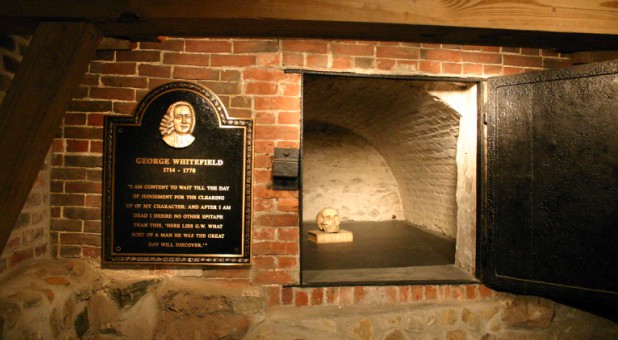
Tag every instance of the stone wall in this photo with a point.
(30, 237)
(343, 171)
(71, 299)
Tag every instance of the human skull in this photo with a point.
(328, 220)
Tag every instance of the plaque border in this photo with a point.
(109, 151)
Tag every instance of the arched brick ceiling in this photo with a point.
(415, 132)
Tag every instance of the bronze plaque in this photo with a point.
(177, 180)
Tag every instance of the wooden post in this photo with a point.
(34, 105)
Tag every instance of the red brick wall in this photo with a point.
(29, 238)
(248, 75)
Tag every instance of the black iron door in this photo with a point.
(550, 196)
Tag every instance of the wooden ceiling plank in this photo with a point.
(34, 106)
(566, 24)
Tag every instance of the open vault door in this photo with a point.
(550, 193)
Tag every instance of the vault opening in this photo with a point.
(397, 158)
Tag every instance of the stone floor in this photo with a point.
(388, 252)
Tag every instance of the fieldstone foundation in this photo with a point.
(74, 299)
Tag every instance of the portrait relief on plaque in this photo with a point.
(177, 125)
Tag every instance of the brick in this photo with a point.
(260, 205)
(263, 147)
(230, 75)
(346, 295)
(81, 213)
(75, 119)
(264, 117)
(491, 70)
(359, 295)
(260, 74)
(485, 292)
(285, 220)
(261, 88)
(232, 60)
(510, 49)
(472, 69)
(83, 161)
(385, 64)
(441, 55)
(222, 87)
(264, 233)
(483, 58)
(523, 61)
(158, 71)
(512, 70)
(404, 293)
(351, 49)
(429, 66)
(287, 296)
(256, 46)
(339, 63)
(92, 252)
(287, 262)
(287, 205)
(273, 295)
(301, 298)
(264, 262)
(304, 46)
(186, 59)
(67, 199)
(96, 146)
(77, 145)
(83, 132)
(363, 62)
(115, 93)
(124, 81)
(471, 291)
(141, 56)
(272, 277)
(92, 226)
(65, 225)
(451, 68)
(530, 51)
(431, 292)
(68, 173)
(397, 52)
(416, 293)
(96, 119)
(208, 46)
(317, 296)
(113, 68)
(83, 187)
(391, 294)
(274, 132)
(80, 239)
(288, 233)
(293, 59)
(262, 161)
(317, 61)
(200, 73)
(331, 295)
(70, 251)
(291, 89)
(268, 59)
(93, 201)
(275, 248)
(94, 174)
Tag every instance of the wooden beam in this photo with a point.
(34, 105)
(564, 24)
